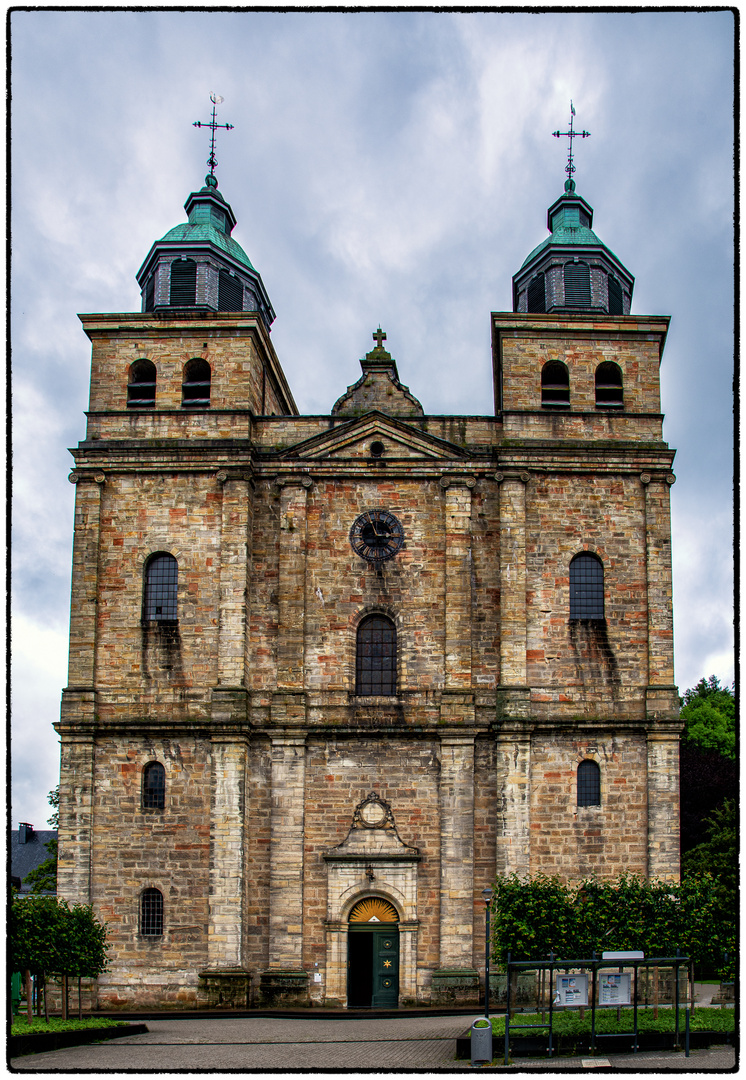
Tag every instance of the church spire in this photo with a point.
(572, 271)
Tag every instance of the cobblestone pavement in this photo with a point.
(425, 1043)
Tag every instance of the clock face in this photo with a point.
(376, 535)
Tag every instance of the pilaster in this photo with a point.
(77, 756)
(235, 578)
(458, 613)
(457, 856)
(513, 755)
(286, 851)
(512, 578)
(290, 632)
(659, 578)
(227, 854)
(663, 804)
(84, 596)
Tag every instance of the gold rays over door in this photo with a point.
(373, 955)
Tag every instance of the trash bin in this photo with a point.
(481, 1041)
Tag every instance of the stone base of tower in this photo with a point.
(455, 986)
(286, 986)
(226, 988)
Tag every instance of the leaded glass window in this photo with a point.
(153, 786)
(376, 657)
(589, 784)
(161, 587)
(586, 587)
(151, 913)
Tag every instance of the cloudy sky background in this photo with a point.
(390, 168)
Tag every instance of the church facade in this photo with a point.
(330, 674)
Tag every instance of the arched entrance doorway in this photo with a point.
(373, 955)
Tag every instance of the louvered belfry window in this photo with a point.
(230, 292)
(376, 657)
(141, 385)
(577, 284)
(161, 589)
(537, 302)
(150, 293)
(151, 913)
(153, 786)
(609, 388)
(195, 391)
(183, 283)
(555, 385)
(616, 300)
(586, 587)
(589, 784)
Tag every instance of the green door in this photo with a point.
(385, 969)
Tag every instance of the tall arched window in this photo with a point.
(586, 587)
(141, 385)
(376, 657)
(589, 784)
(195, 390)
(151, 913)
(153, 786)
(536, 299)
(555, 386)
(183, 283)
(161, 587)
(577, 284)
(230, 292)
(609, 388)
(616, 298)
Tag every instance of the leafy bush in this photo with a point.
(570, 1022)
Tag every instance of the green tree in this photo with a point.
(44, 877)
(709, 712)
(718, 855)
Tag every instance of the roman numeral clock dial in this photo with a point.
(376, 535)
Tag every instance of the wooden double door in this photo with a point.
(373, 967)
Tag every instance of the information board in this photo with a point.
(571, 990)
(614, 989)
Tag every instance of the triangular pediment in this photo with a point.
(357, 439)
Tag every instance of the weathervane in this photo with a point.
(570, 168)
(212, 160)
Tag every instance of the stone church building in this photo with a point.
(329, 675)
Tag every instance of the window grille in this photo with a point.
(586, 587)
(616, 300)
(151, 913)
(183, 283)
(230, 292)
(589, 784)
(577, 284)
(195, 391)
(537, 302)
(153, 786)
(141, 387)
(376, 657)
(161, 587)
(555, 386)
(609, 389)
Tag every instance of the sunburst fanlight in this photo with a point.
(373, 909)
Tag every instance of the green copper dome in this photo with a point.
(572, 270)
(199, 266)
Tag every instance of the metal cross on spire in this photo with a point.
(570, 168)
(212, 160)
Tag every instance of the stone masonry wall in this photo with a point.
(136, 849)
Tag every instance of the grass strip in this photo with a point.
(39, 1026)
(570, 1023)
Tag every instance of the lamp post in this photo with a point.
(487, 896)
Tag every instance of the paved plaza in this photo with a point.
(425, 1043)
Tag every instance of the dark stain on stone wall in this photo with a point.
(595, 662)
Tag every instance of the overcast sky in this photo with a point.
(390, 168)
